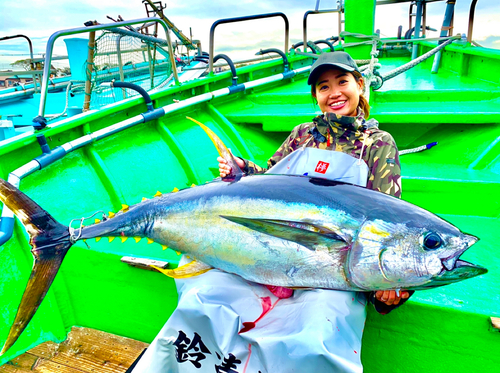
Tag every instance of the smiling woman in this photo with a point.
(337, 85)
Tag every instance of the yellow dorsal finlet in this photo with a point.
(137, 239)
(164, 247)
(144, 199)
(124, 239)
(97, 221)
(125, 208)
(111, 215)
(175, 190)
(97, 239)
(150, 241)
(158, 194)
(111, 238)
(191, 269)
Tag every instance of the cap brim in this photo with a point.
(313, 76)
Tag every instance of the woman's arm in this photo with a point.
(291, 143)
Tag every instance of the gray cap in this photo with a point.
(340, 60)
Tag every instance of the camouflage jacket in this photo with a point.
(352, 135)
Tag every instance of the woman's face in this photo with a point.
(338, 92)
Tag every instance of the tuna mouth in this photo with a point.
(453, 261)
(461, 270)
(455, 269)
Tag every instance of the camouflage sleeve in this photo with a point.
(291, 143)
(252, 168)
(385, 168)
(385, 177)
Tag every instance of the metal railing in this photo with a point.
(81, 30)
(29, 43)
(241, 19)
(308, 13)
(32, 63)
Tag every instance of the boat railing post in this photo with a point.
(471, 20)
(240, 19)
(447, 25)
(418, 24)
(81, 30)
(120, 62)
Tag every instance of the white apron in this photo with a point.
(224, 323)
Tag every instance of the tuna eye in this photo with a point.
(432, 241)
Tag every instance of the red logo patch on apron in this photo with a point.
(321, 167)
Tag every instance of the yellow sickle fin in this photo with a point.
(223, 151)
(191, 269)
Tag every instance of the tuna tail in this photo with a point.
(50, 242)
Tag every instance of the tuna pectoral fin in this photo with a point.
(50, 242)
(191, 269)
(305, 234)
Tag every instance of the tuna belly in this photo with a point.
(255, 256)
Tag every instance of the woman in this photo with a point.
(337, 86)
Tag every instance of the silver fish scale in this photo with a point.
(253, 255)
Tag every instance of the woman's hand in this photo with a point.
(390, 297)
(225, 169)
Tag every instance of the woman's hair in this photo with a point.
(363, 102)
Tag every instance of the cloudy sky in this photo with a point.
(38, 19)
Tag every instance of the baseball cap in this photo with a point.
(341, 60)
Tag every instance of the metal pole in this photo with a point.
(120, 63)
(172, 59)
(471, 20)
(448, 16)
(418, 24)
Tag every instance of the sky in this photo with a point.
(38, 19)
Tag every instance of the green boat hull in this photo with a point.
(440, 330)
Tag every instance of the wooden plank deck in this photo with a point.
(85, 350)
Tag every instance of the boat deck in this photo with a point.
(85, 350)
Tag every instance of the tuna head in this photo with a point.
(387, 255)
